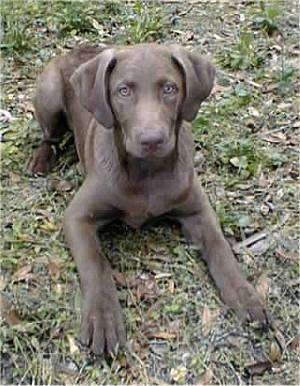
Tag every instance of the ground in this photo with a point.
(246, 137)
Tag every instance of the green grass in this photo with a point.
(178, 329)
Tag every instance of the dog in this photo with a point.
(130, 109)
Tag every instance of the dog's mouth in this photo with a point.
(150, 151)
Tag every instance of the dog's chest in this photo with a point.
(154, 199)
(141, 209)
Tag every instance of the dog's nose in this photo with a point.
(152, 140)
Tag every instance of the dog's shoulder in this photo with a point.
(68, 62)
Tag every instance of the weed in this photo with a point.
(17, 37)
(267, 18)
(243, 54)
(145, 23)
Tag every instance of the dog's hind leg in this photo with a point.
(49, 111)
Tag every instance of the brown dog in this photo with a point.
(129, 108)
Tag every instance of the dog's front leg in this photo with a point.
(102, 327)
(201, 227)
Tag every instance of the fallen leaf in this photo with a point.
(2, 283)
(14, 177)
(12, 318)
(5, 116)
(260, 247)
(8, 313)
(282, 255)
(264, 209)
(23, 273)
(64, 186)
(294, 344)
(258, 368)
(275, 352)
(45, 213)
(48, 226)
(279, 337)
(120, 278)
(206, 378)
(262, 286)
(164, 335)
(262, 181)
(72, 344)
(54, 269)
(178, 375)
(218, 89)
(27, 107)
(254, 112)
(208, 318)
(171, 286)
(146, 289)
(275, 138)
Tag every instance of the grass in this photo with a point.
(247, 136)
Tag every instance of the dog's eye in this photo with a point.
(169, 88)
(124, 91)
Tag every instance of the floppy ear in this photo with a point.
(90, 83)
(199, 75)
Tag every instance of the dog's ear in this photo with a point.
(90, 83)
(199, 75)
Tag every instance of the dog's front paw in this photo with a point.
(102, 328)
(42, 160)
(245, 300)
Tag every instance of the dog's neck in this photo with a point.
(140, 168)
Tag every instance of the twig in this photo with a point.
(258, 236)
(250, 240)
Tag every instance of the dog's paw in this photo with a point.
(42, 160)
(102, 329)
(246, 302)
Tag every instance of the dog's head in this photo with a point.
(144, 91)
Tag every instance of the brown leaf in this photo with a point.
(147, 289)
(207, 377)
(27, 106)
(14, 177)
(275, 137)
(208, 318)
(171, 286)
(282, 255)
(263, 182)
(127, 281)
(120, 278)
(54, 269)
(262, 286)
(164, 335)
(258, 368)
(9, 314)
(275, 352)
(218, 89)
(64, 186)
(12, 318)
(294, 344)
(23, 273)
(280, 340)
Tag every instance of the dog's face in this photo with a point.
(144, 91)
